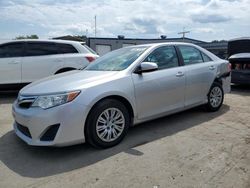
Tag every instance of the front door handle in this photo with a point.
(58, 60)
(211, 67)
(179, 74)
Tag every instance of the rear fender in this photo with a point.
(224, 76)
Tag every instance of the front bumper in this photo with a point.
(33, 123)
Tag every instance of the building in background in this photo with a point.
(218, 48)
(105, 45)
(72, 38)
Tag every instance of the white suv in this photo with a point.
(24, 61)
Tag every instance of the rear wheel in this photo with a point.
(107, 124)
(215, 97)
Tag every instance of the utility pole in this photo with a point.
(86, 33)
(95, 26)
(183, 33)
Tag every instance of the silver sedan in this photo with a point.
(123, 88)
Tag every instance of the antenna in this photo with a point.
(183, 33)
(95, 26)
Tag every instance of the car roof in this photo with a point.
(163, 43)
(44, 40)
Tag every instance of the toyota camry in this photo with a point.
(123, 88)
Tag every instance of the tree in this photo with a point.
(27, 37)
(217, 41)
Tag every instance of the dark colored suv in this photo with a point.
(239, 57)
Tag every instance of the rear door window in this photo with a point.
(11, 50)
(40, 48)
(66, 48)
(190, 55)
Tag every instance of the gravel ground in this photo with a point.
(189, 149)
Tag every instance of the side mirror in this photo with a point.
(146, 67)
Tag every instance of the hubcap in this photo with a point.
(110, 124)
(215, 97)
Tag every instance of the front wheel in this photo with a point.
(107, 124)
(215, 97)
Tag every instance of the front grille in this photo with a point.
(50, 134)
(23, 130)
(25, 102)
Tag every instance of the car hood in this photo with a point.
(69, 81)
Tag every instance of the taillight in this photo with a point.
(229, 67)
(90, 58)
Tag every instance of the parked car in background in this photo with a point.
(122, 88)
(24, 61)
(239, 57)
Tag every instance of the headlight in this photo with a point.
(48, 101)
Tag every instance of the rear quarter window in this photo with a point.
(66, 49)
(205, 57)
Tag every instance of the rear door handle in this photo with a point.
(179, 74)
(14, 62)
(211, 67)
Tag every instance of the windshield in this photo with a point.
(117, 60)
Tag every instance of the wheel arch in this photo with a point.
(118, 98)
(124, 101)
(218, 80)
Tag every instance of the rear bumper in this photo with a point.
(226, 83)
(240, 78)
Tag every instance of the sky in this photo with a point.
(206, 20)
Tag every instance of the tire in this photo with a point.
(100, 120)
(215, 98)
